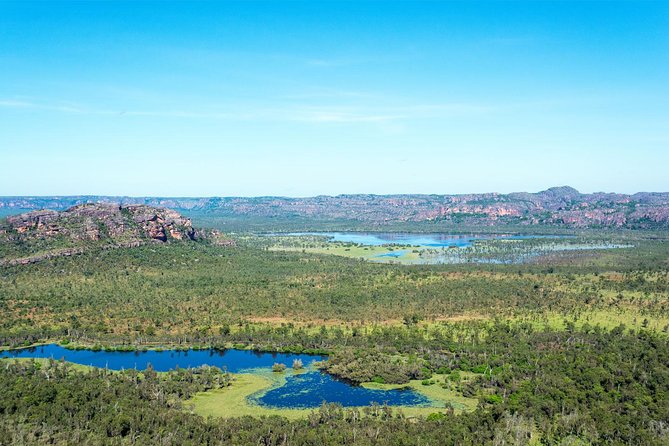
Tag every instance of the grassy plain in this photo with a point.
(380, 254)
(439, 391)
(233, 401)
(542, 250)
(237, 399)
(160, 294)
(431, 318)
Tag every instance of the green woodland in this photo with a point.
(570, 349)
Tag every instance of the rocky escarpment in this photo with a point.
(43, 234)
(104, 221)
(557, 206)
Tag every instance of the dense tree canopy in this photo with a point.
(539, 346)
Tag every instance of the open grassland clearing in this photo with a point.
(159, 294)
(238, 399)
(522, 342)
(380, 254)
(481, 251)
(233, 401)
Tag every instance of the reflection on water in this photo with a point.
(456, 249)
(302, 390)
(231, 360)
(401, 238)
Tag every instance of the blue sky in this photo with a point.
(305, 98)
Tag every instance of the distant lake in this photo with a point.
(302, 390)
(423, 240)
(435, 248)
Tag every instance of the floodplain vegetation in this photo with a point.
(542, 249)
(570, 350)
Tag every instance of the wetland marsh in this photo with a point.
(260, 389)
(438, 248)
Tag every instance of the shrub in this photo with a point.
(479, 369)
(455, 376)
(436, 416)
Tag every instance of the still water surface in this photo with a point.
(401, 238)
(232, 360)
(303, 390)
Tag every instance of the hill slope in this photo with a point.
(561, 206)
(37, 235)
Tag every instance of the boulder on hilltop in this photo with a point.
(94, 221)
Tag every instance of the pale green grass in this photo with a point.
(370, 253)
(233, 401)
(607, 319)
(237, 399)
(438, 395)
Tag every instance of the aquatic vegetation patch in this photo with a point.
(435, 249)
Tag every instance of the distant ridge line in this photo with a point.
(564, 206)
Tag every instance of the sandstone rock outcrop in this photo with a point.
(561, 206)
(123, 224)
